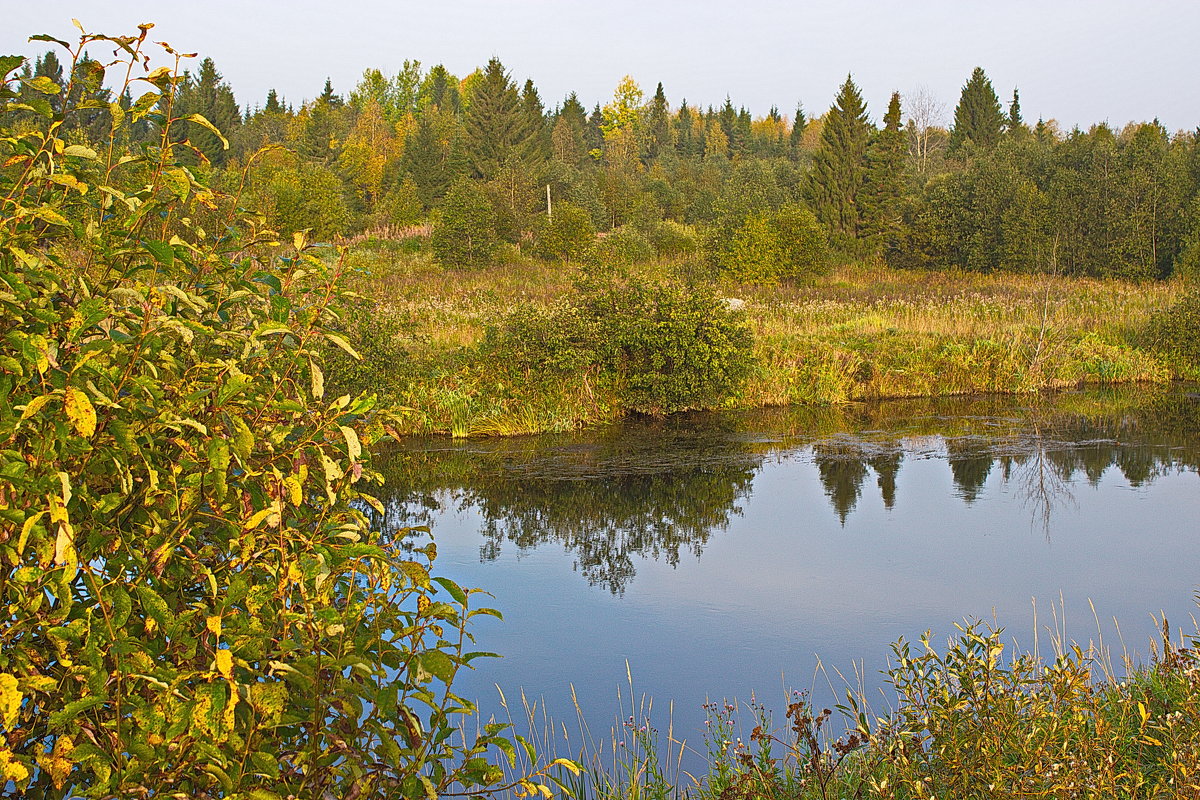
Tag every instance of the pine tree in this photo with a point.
(978, 118)
(497, 125)
(685, 143)
(658, 125)
(535, 120)
(883, 193)
(1015, 124)
(839, 165)
(796, 139)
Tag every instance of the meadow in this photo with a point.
(860, 332)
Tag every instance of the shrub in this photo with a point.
(195, 602)
(786, 243)
(663, 347)
(623, 246)
(675, 240)
(296, 196)
(1175, 331)
(567, 236)
(464, 229)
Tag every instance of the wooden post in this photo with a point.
(549, 208)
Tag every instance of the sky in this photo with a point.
(1076, 61)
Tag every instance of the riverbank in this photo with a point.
(859, 333)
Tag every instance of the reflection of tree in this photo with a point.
(648, 489)
(886, 464)
(660, 489)
(841, 467)
(971, 462)
(607, 522)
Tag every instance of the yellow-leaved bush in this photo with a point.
(195, 602)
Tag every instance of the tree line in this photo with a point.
(990, 192)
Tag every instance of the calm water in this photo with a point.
(721, 555)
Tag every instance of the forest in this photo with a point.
(989, 192)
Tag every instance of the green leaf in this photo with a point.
(42, 84)
(342, 343)
(163, 253)
(437, 664)
(178, 181)
(72, 710)
(80, 151)
(10, 63)
(453, 588)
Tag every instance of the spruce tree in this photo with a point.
(839, 165)
(328, 98)
(497, 125)
(537, 128)
(795, 140)
(685, 143)
(978, 118)
(883, 194)
(208, 95)
(272, 106)
(1015, 124)
(658, 124)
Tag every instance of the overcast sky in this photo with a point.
(1079, 61)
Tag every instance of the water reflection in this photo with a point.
(661, 489)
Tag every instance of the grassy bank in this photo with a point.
(860, 332)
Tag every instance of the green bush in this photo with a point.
(296, 196)
(567, 236)
(786, 243)
(1175, 331)
(662, 347)
(623, 246)
(196, 603)
(675, 240)
(464, 229)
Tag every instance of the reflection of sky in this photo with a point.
(787, 583)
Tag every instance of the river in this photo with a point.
(734, 555)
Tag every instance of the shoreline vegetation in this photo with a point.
(197, 603)
(973, 716)
(860, 332)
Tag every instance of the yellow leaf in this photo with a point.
(213, 623)
(10, 768)
(318, 381)
(225, 664)
(58, 762)
(10, 700)
(353, 447)
(25, 531)
(257, 519)
(80, 412)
